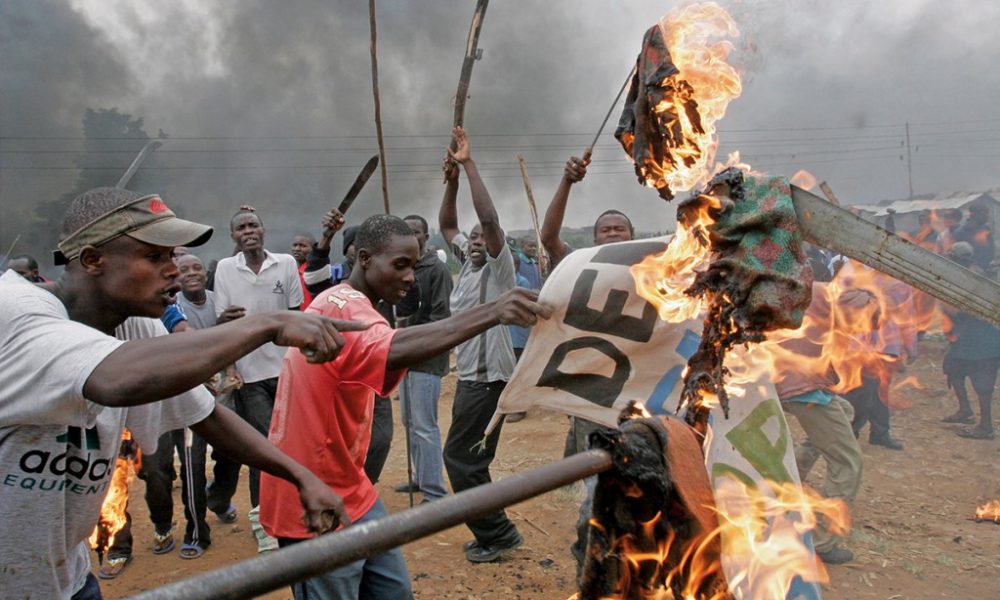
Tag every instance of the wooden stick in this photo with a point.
(589, 151)
(543, 256)
(828, 192)
(6, 257)
(529, 522)
(378, 110)
(471, 52)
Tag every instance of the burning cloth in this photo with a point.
(645, 135)
(758, 278)
(605, 346)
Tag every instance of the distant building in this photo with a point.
(907, 211)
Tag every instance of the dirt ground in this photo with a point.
(913, 537)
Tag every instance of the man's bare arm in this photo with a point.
(238, 440)
(575, 171)
(448, 215)
(415, 344)
(146, 370)
(481, 201)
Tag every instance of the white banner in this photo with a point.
(606, 346)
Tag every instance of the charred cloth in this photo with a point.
(758, 278)
(646, 131)
(652, 526)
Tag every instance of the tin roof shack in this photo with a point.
(908, 211)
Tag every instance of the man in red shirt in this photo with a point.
(322, 414)
(301, 245)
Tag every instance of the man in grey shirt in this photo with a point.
(486, 361)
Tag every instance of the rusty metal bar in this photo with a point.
(268, 572)
(841, 230)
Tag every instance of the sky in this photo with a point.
(270, 103)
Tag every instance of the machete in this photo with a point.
(359, 183)
(842, 231)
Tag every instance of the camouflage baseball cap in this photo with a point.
(147, 219)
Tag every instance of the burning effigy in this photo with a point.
(742, 252)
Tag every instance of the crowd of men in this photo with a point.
(297, 359)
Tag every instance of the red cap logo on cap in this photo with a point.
(156, 206)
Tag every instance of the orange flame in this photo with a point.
(703, 79)
(762, 531)
(989, 511)
(662, 278)
(113, 518)
(803, 179)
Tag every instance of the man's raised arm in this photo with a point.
(485, 211)
(448, 215)
(576, 169)
(317, 273)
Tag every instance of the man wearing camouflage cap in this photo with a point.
(70, 386)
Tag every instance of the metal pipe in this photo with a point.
(268, 572)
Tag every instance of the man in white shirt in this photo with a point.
(256, 281)
(70, 386)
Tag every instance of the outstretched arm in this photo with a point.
(415, 344)
(448, 215)
(576, 169)
(236, 439)
(485, 211)
(146, 370)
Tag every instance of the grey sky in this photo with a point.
(827, 87)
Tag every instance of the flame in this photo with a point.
(663, 278)
(989, 512)
(804, 179)
(113, 518)
(762, 531)
(701, 90)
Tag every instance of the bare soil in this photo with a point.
(913, 536)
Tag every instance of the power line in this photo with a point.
(506, 134)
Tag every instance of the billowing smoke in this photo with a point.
(269, 103)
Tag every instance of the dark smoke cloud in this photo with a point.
(814, 71)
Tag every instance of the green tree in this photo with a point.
(111, 140)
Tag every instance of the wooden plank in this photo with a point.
(842, 231)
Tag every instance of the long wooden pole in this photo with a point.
(471, 53)
(378, 109)
(543, 256)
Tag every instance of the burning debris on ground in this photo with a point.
(115, 504)
(988, 512)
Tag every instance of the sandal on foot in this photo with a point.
(191, 551)
(229, 516)
(965, 418)
(163, 543)
(113, 567)
(976, 433)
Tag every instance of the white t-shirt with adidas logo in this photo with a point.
(57, 449)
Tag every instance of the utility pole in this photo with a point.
(909, 160)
